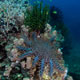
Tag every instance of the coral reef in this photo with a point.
(30, 46)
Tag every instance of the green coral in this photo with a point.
(37, 17)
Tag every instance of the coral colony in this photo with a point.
(30, 46)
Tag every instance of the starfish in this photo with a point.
(43, 51)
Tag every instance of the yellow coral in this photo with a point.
(46, 77)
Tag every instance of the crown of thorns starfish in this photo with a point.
(43, 51)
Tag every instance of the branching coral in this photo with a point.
(8, 10)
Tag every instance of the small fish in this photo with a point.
(54, 12)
